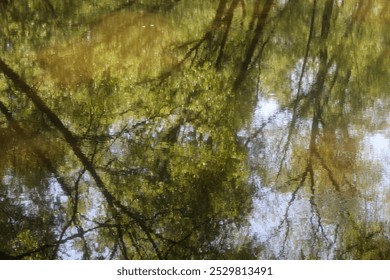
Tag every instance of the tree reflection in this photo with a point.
(161, 180)
(319, 160)
(130, 136)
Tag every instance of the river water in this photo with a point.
(194, 129)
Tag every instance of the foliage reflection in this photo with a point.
(139, 130)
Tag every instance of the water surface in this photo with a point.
(194, 129)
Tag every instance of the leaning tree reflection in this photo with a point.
(130, 168)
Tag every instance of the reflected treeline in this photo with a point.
(132, 129)
(135, 170)
(317, 158)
